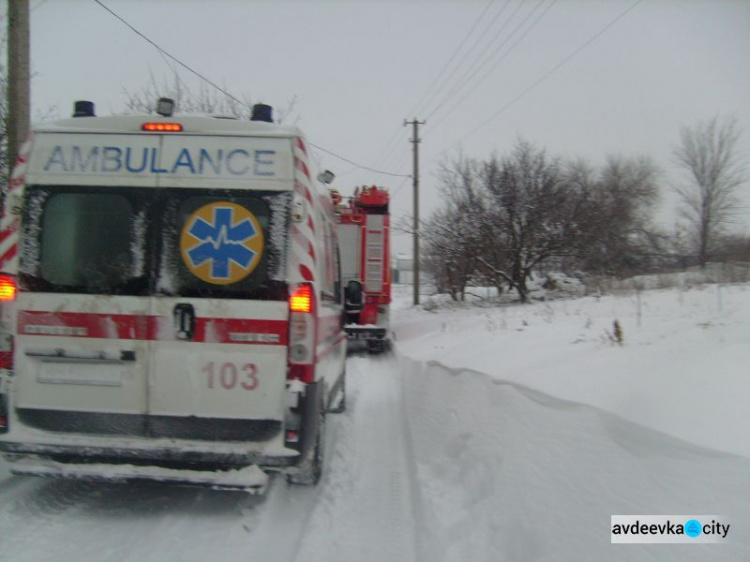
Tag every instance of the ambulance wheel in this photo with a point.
(311, 470)
(338, 404)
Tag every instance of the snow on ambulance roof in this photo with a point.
(192, 124)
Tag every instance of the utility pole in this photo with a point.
(18, 78)
(415, 140)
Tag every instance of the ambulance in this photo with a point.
(170, 302)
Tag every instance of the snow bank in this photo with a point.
(682, 369)
(509, 473)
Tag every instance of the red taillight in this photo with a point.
(301, 300)
(7, 288)
(304, 373)
(162, 127)
(302, 334)
(292, 435)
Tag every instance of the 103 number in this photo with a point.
(229, 376)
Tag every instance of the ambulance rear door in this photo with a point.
(81, 349)
(220, 306)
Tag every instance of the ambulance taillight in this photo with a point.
(8, 291)
(302, 333)
(7, 288)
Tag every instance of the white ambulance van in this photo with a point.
(170, 302)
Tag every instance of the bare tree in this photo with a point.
(503, 219)
(452, 234)
(622, 239)
(533, 214)
(708, 152)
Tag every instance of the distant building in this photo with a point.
(403, 271)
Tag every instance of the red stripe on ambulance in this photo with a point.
(151, 328)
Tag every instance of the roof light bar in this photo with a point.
(162, 127)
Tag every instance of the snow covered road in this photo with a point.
(451, 451)
(363, 510)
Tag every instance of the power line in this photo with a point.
(461, 80)
(355, 164)
(387, 154)
(418, 107)
(230, 96)
(549, 73)
(501, 59)
(397, 190)
(175, 59)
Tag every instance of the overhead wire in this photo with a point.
(387, 155)
(175, 59)
(355, 164)
(546, 75)
(460, 81)
(223, 91)
(505, 55)
(418, 107)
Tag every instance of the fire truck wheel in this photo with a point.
(376, 346)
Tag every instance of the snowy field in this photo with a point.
(531, 426)
(490, 434)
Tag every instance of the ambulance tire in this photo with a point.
(310, 471)
(339, 398)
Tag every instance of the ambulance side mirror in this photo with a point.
(326, 177)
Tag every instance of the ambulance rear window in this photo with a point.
(176, 242)
(82, 241)
(86, 240)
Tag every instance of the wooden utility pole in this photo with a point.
(415, 178)
(18, 78)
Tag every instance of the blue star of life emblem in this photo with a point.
(222, 241)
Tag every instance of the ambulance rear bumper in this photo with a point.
(169, 456)
(249, 478)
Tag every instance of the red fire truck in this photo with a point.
(364, 238)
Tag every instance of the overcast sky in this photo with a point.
(359, 68)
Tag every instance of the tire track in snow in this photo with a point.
(365, 510)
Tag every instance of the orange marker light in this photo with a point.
(162, 127)
(7, 288)
(301, 299)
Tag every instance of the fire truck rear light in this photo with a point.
(301, 300)
(7, 288)
(160, 127)
(292, 436)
